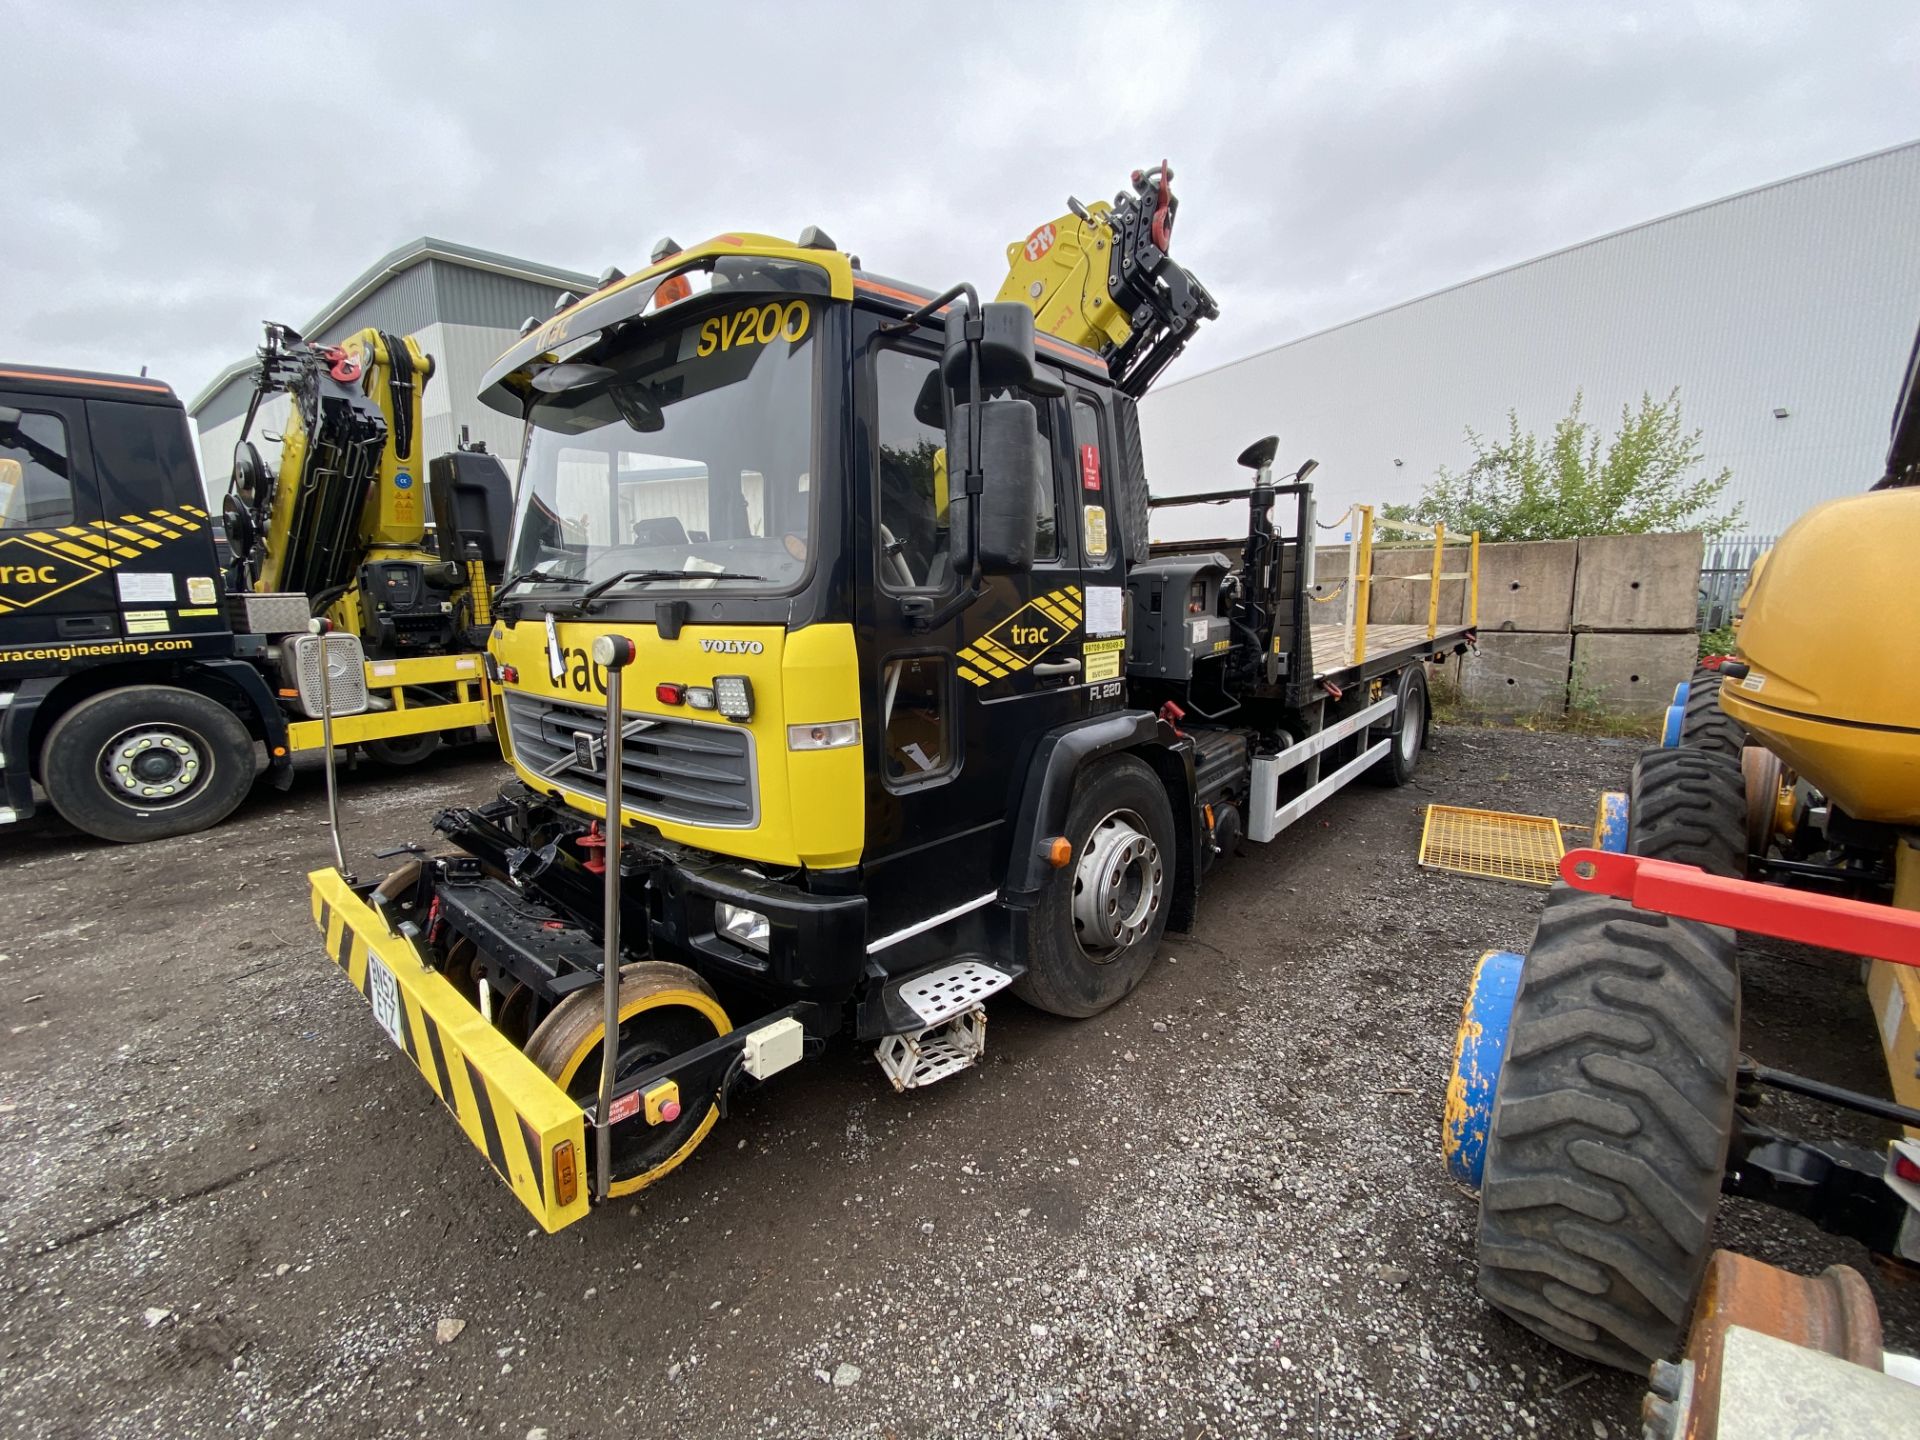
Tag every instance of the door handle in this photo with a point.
(83, 627)
(1057, 667)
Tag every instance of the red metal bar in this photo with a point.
(1689, 893)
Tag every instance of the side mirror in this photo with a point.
(1013, 472)
(1006, 350)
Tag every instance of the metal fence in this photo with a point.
(1723, 575)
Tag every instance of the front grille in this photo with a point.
(695, 772)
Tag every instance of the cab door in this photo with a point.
(952, 712)
(54, 586)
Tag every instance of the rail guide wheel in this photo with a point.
(664, 1011)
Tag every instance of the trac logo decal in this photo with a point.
(1023, 637)
(732, 647)
(36, 564)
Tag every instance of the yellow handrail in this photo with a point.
(1433, 582)
(1363, 577)
(1473, 583)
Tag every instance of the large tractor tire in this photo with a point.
(145, 762)
(1610, 1127)
(1703, 724)
(1101, 916)
(1689, 806)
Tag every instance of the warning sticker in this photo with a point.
(200, 590)
(1102, 659)
(1096, 523)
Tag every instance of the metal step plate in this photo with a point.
(939, 995)
(928, 1056)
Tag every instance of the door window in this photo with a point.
(36, 478)
(914, 695)
(915, 488)
(142, 457)
(1091, 481)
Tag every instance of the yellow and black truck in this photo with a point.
(145, 668)
(841, 592)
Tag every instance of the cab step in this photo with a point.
(953, 1036)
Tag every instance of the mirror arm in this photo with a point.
(933, 307)
(921, 618)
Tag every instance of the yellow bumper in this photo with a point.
(532, 1134)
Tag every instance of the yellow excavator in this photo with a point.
(1606, 1102)
(341, 532)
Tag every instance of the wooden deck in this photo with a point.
(1330, 653)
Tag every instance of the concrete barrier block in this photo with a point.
(1638, 582)
(1517, 674)
(1527, 585)
(1629, 674)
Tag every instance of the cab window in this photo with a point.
(915, 488)
(36, 480)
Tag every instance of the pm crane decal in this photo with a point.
(1023, 637)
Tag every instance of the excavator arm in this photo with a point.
(1100, 277)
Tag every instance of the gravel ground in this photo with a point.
(227, 1205)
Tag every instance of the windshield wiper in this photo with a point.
(622, 577)
(526, 576)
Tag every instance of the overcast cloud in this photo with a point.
(174, 174)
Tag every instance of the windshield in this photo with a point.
(686, 454)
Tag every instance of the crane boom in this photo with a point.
(1101, 277)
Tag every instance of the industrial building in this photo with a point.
(1784, 315)
(463, 305)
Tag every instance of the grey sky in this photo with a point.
(176, 173)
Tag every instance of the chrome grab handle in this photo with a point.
(1057, 667)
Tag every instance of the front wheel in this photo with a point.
(145, 762)
(1100, 917)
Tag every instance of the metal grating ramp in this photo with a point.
(1492, 844)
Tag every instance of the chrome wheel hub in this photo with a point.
(152, 764)
(1116, 885)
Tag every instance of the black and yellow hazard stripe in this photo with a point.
(109, 543)
(510, 1110)
(1001, 651)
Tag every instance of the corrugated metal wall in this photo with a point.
(1801, 296)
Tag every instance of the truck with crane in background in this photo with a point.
(144, 667)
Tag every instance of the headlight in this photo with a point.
(741, 925)
(834, 736)
(734, 693)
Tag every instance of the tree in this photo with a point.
(1651, 476)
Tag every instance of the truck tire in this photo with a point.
(144, 762)
(1609, 1133)
(1703, 724)
(1689, 806)
(1101, 916)
(1408, 730)
(401, 752)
